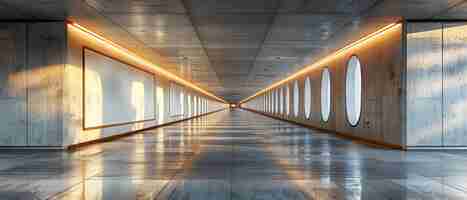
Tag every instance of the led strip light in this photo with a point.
(327, 58)
(138, 59)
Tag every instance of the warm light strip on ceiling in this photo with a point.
(324, 60)
(137, 59)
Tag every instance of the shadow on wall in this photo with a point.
(31, 84)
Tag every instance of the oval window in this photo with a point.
(287, 99)
(190, 112)
(296, 98)
(353, 91)
(270, 102)
(273, 101)
(325, 95)
(195, 105)
(307, 100)
(281, 100)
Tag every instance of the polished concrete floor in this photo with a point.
(233, 155)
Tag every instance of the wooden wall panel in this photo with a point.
(46, 47)
(13, 97)
(455, 84)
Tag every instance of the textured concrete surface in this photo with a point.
(382, 65)
(436, 84)
(73, 95)
(264, 40)
(31, 85)
(233, 155)
(424, 113)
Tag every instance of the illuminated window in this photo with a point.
(353, 91)
(176, 99)
(287, 99)
(203, 105)
(281, 100)
(274, 102)
(296, 98)
(195, 105)
(189, 109)
(325, 95)
(307, 98)
(182, 102)
(200, 105)
(269, 102)
(160, 104)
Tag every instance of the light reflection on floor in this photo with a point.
(232, 155)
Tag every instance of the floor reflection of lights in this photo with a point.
(233, 155)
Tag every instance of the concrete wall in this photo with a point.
(42, 101)
(32, 63)
(424, 84)
(436, 84)
(74, 132)
(13, 79)
(382, 64)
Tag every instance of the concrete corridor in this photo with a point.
(232, 155)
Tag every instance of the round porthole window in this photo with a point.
(281, 100)
(274, 102)
(287, 100)
(296, 98)
(271, 103)
(353, 91)
(277, 100)
(325, 95)
(307, 98)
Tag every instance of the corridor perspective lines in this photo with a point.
(233, 154)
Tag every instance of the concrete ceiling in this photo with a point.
(233, 48)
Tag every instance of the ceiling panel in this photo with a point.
(234, 48)
(164, 27)
(138, 6)
(232, 33)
